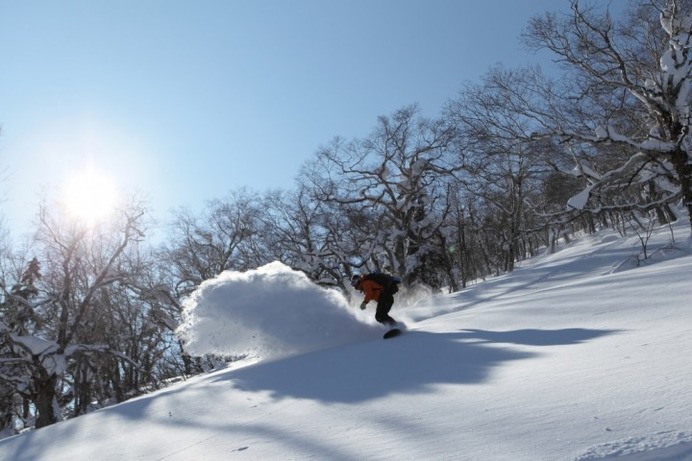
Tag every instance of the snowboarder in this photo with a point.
(381, 288)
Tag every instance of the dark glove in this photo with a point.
(363, 305)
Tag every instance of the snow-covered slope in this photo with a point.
(575, 356)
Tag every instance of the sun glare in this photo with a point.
(89, 196)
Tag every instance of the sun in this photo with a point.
(89, 196)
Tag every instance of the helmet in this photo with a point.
(355, 280)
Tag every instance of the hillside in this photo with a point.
(578, 355)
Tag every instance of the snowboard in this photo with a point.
(392, 333)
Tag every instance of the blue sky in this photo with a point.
(183, 101)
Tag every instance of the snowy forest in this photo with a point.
(511, 165)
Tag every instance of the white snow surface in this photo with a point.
(579, 355)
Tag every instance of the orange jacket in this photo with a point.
(371, 289)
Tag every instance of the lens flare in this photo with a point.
(90, 196)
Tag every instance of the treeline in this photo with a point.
(511, 165)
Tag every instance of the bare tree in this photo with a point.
(505, 167)
(223, 237)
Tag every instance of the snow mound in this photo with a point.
(269, 312)
(669, 445)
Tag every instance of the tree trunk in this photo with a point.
(45, 401)
(683, 168)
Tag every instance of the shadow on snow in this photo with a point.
(413, 363)
(410, 364)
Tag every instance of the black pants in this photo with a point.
(383, 306)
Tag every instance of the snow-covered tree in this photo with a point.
(55, 322)
(393, 184)
(17, 319)
(623, 106)
(308, 235)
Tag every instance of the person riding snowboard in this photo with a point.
(381, 288)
